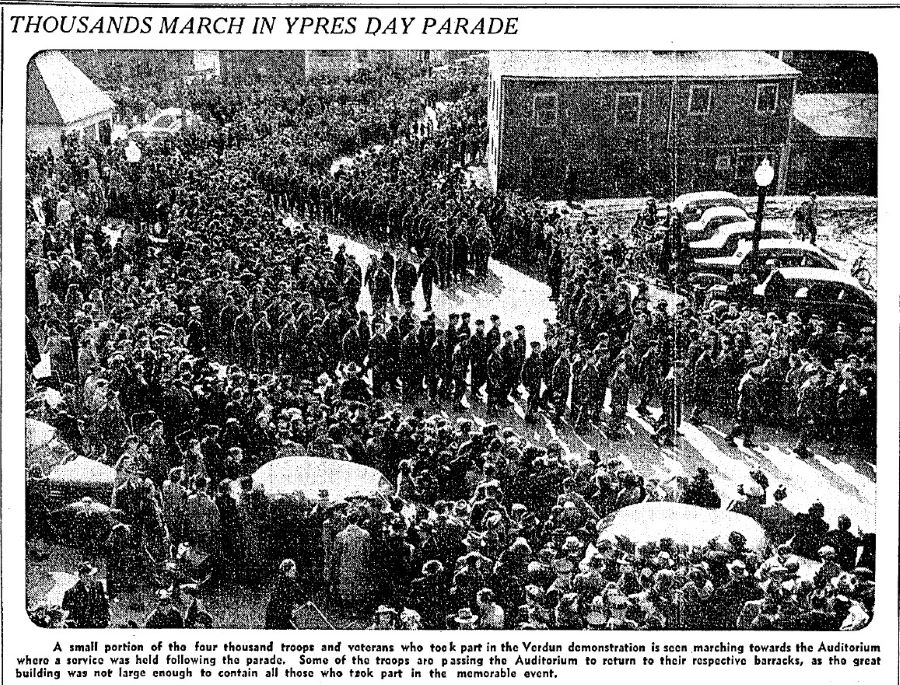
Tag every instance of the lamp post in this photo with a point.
(764, 175)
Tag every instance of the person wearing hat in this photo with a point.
(829, 568)
(750, 498)
(532, 378)
(86, 602)
(810, 405)
(479, 352)
(618, 605)
(728, 600)
(747, 409)
(284, 598)
(429, 594)
(385, 618)
(463, 619)
(427, 275)
(406, 279)
(165, 615)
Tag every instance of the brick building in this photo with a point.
(625, 123)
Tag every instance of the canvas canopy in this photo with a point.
(307, 476)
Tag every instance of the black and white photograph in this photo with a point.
(451, 339)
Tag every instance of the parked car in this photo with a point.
(780, 252)
(727, 239)
(831, 294)
(691, 206)
(167, 122)
(712, 220)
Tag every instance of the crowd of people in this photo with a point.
(197, 325)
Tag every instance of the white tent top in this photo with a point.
(683, 523)
(639, 64)
(59, 93)
(83, 470)
(308, 475)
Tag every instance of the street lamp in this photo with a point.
(764, 175)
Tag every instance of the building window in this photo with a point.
(723, 162)
(546, 109)
(766, 97)
(628, 109)
(700, 100)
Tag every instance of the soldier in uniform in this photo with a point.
(495, 381)
(604, 370)
(620, 389)
(559, 382)
(809, 408)
(446, 354)
(494, 336)
(481, 249)
(407, 319)
(649, 372)
(747, 409)
(532, 377)
(460, 256)
(443, 254)
(588, 390)
(460, 363)
(428, 273)
(406, 279)
(411, 366)
(510, 375)
(435, 364)
(464, 331)
(392, 350)
(378, 360)
(520, 347)
(478, 354)
(704, 382)
(549, 356)
(672, 400)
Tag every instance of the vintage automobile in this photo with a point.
(691, 206)
(831, 294)
(728, 238)
(712, 220)
(166, 122)
(778, 252)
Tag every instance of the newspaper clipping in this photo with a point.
(412, 328)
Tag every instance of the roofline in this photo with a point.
(685, 77)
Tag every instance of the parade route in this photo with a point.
(845, 484)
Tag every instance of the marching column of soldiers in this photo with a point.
(570, 371)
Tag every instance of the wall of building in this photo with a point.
(236, 66)
(39, 138)
(834, 167)
(659, 153)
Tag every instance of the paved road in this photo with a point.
(844, 484)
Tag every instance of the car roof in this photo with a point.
(776, 244)
(810, 273)
(726, 210)
(726, 231)
(683, 200)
